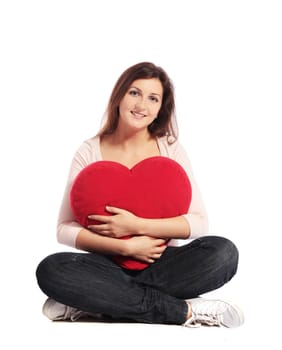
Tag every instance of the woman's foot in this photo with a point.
(56, 311)
(213, 313)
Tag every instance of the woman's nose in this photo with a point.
(140, 104)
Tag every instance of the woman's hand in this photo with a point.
(121, 223)
(145, 248)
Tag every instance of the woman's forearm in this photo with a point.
(177, 227)
(92, 242)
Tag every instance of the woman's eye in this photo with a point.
(154, 99)
(133, 93)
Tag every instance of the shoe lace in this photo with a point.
(205, 313)
(73, 314)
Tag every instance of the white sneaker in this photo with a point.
(56, 311)
(214, 313)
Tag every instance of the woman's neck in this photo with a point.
(130, 140)
(128, 150)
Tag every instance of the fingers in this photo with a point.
(107, 218)
(153, 258)
(160, 241)
(101, 218)
(156, 256)
(114, 210)
(101, 229)
(157, 253)
(160, 246)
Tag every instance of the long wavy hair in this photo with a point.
(165, 123)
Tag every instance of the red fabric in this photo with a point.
(156, 187)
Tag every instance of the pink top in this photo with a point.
(89, 152)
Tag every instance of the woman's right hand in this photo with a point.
(145, 248)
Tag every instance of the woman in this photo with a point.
(140, 124)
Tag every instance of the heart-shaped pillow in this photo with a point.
(156, 187)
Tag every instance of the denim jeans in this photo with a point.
(93, 283)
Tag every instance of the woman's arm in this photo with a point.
(177, 228)
(197, 215)
(141, 248)
(123, 223)
(67, 226)
(90, 241)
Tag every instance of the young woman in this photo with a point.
(140, 124)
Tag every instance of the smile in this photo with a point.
(138, 115)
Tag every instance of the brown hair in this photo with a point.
(165, 123)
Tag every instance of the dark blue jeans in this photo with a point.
(93, 283)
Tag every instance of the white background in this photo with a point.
(58, 63)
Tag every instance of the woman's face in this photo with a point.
(141, 104)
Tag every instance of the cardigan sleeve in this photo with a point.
(197, 214)
(67, 226)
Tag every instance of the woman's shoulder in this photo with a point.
(92, 142)
(170, 146)
(89, 150)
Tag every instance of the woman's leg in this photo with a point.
(188, 271)
(93, 283)
(197, 268)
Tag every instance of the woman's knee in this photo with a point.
(224, 251)
(227, 248)
(48, 268)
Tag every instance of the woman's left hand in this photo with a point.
(121, 223)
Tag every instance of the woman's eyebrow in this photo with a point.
(152, 93)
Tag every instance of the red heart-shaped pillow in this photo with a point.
(156, 187)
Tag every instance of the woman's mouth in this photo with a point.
(138, 115)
